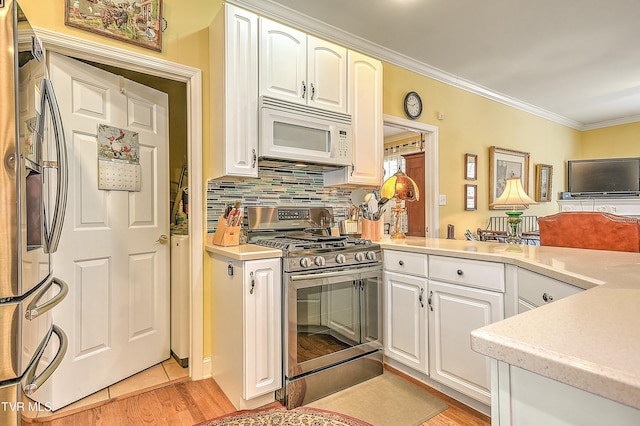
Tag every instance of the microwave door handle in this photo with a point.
(52, 236)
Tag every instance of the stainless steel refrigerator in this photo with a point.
(33, 185)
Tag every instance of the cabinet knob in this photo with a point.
(401, 262)
(459, 272)
(547, 297)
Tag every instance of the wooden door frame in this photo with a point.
(117, 57)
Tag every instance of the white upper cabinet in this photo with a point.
(234, 93)
(365, 107)
(301, 68)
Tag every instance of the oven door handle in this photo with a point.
(315, 276)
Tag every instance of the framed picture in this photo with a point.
(471, 197)
(470, 166)
(503, 164)
(132, 21)
(544, 176)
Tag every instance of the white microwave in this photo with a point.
(299, 133)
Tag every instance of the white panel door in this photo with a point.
(327, 75)
(454, 312)
(405, 327)
(283, 62)
(262, 340)
(117, 312)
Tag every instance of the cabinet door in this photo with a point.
(283, 62)
(262, 328)
(365, 106)
(234, 88)
(327, 72)
(454, 312)
(405, 327)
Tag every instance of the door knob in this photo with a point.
(163, 239)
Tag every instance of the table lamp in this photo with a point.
(398, 188)
(513, 196)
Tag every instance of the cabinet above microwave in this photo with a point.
(240, 75)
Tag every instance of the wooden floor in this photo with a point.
(192, 402)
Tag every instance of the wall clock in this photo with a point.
(412, 105)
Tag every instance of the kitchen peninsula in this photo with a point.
(587, 340)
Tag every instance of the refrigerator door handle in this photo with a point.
(48, 98)
(34, 310)
(32, 382)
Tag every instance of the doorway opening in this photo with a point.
(416, 137)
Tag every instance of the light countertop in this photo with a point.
(590, 340)
(244, 251)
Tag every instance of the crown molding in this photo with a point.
(614, 122)
(314, 26)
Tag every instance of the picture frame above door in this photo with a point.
(137, 22)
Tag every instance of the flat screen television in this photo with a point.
(604, 177)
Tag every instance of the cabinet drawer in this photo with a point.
(405, 262)
(535, 288)
(472, 273)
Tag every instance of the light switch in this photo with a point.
(443, 200)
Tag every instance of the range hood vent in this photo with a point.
(280, 164)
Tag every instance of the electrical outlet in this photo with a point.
(443, 200)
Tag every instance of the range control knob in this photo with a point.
(305, 262)
(340, 258)
(360, 256)
(371, 255)
(319, 261)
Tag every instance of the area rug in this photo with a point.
(384, 400)
(283, 417)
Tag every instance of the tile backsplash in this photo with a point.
(275, 187)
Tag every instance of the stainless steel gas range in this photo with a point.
(332, 310)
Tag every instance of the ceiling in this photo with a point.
(576, 62)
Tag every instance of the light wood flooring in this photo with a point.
(185, 402)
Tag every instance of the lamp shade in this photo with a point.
(513, 195)
(401, 187)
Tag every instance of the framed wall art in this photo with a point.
(544, 176)
(470, 166)
(471, 197)
(503, 164)
(133, 21)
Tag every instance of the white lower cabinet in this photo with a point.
(524, 398)
(405, 323)
(454, 311)
(535, 290)
(464, 294)
(246, 359)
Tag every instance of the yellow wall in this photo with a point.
(472, 124)
(611, 142)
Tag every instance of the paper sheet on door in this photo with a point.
(118, 159)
